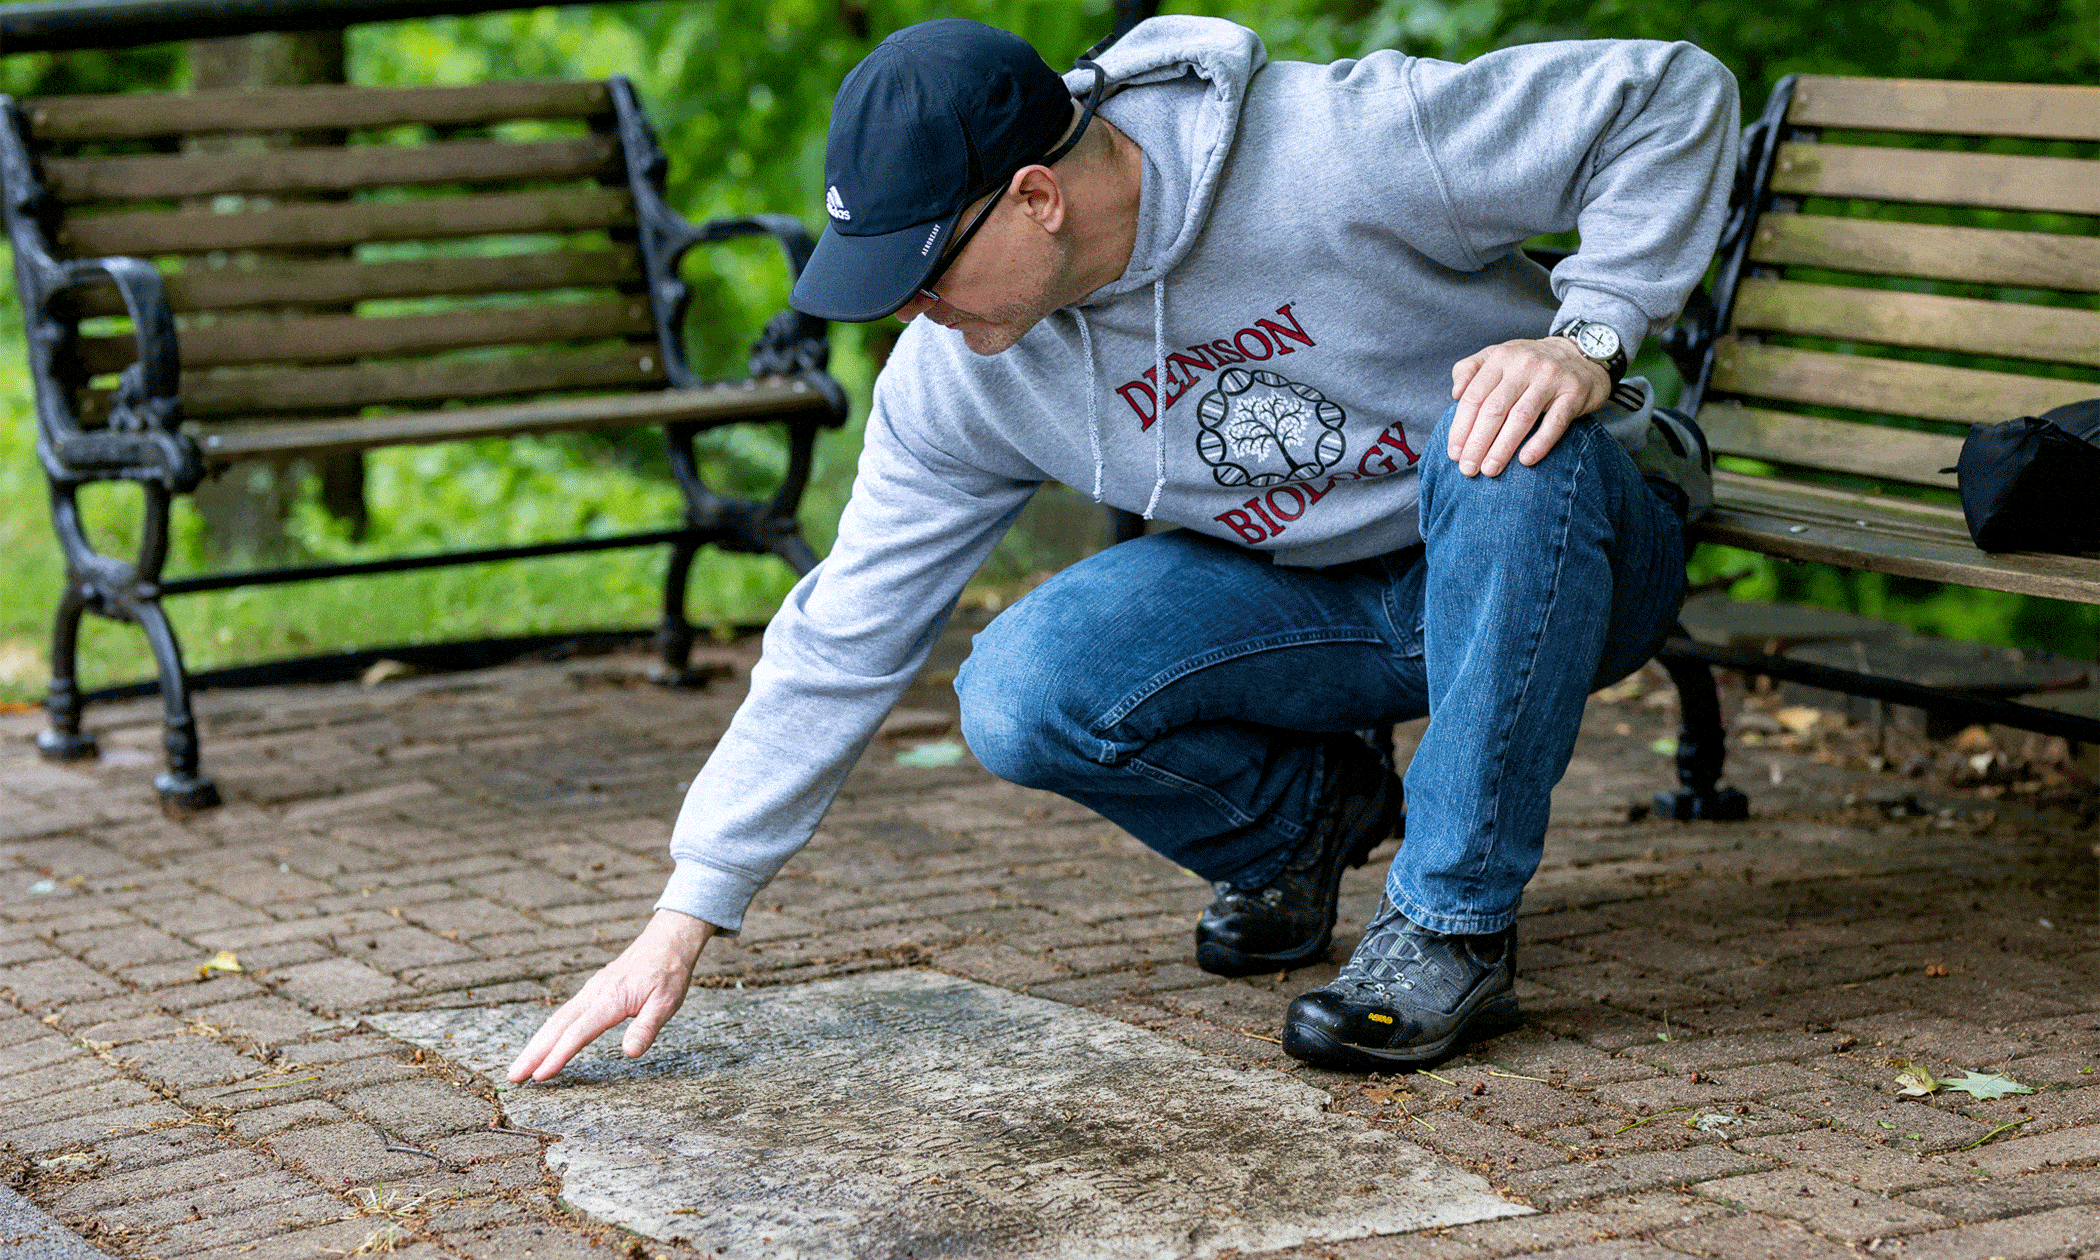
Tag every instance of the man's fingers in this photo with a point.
(536, 1049)
(648, 980)
(1522, 417)
(641, 1034)
(1516, 400)
(1462, 374)
(1480, 383)
(1480, 413)
(1558, 417)
(582, 1031)
(1497, 413)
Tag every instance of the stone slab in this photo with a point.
(27, 1234)
(909, 1112)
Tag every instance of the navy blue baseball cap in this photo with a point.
(937, 116)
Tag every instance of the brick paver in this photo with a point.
(1708, 1067)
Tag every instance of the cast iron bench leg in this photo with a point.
(65, 741)
(674, 634)
(122, 592)
(181, 787)
(1701, 748)
(704, 510)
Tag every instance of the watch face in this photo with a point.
(1598, 341)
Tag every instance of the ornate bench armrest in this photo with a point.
(793, 343)
(142, 441)
(1690, 342)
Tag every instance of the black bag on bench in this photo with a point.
(2033, 484)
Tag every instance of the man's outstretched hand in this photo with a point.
(1518, 389)
(647, 981)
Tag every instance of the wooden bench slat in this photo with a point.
(2013, 330)
(1815, 524)
(1846, 511)
(1860, 450)
(333, 283)
(152, 176)
(1887, 386)
(341, 389)
(716, 403)
(1921, 518)
(336, 226)
(2035, 111)
(325, 338)
(1930, 251)
(140, 116)
(1994, 180)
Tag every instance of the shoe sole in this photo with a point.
(1221, 960)
(1310, 1045)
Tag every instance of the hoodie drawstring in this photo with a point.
(1159, 422)
(1093, 395)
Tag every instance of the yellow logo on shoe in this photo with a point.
(1377, 1018)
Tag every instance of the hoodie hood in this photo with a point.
(1196, 72)
(1185, 149)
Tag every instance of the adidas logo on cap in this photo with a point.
(834, 205)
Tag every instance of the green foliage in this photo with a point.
(156, 67)
(1953, 611)
(2028, 41)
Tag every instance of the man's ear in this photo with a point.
(1039, 195)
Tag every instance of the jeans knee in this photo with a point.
(1009, 719)
(1519, 490)
(1005, 745)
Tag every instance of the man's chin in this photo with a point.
(990, 341)
(987, 338)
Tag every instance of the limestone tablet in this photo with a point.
(910, 1112)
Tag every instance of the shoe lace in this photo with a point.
(1390, 958)
(1270, 894)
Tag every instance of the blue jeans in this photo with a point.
(1186, 689)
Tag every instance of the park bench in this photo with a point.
(416, 265)
(1904, 259)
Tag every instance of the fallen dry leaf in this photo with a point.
(1799, 719)
(386, 670)
(1973, 739)
(224, 960)
(1915, 1081)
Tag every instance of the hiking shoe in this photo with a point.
(1678, 463)
(1408, 995)
(1289, 921)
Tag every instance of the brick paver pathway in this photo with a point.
(1705, 1069)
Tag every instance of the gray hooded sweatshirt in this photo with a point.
(1316, 246)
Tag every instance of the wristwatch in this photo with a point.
(1599, 344)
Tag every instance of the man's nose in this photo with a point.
(911, 310)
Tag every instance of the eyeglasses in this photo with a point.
(955, 247)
